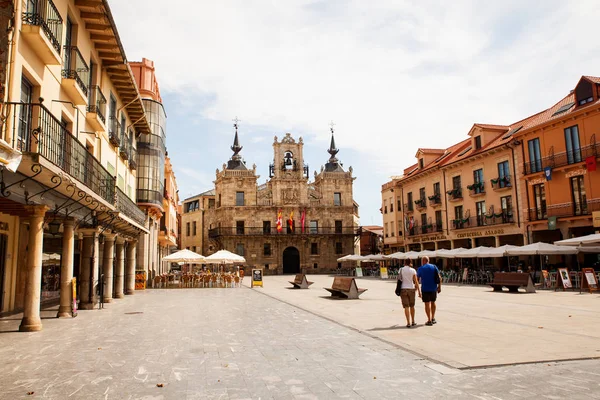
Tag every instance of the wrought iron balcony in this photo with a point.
(421, 203)
(501, 183)
(476, 189)
(113, 131)
(132, 156)
(408, 207)
(435, 200)
(562, 159)
(97, 103)
(262, 231)
(36, 130)
(455, 194)
(564, 210)
(125, 205)
(503, 217)
(43, 13)
(76, 68)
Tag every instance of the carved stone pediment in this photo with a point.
(290, 196)
(288, 139)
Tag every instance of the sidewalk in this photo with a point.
(476, 327)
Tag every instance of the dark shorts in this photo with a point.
(408, 297)
(429, 297)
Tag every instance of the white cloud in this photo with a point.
(394, 75)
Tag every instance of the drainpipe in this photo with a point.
(526, 190)
(512, 149)
(446, 202)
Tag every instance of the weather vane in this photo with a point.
(331, 124)
(235, 122)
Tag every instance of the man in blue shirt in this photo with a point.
(430, 287)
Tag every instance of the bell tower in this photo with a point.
(288, 159)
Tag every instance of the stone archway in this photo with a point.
(291, 261)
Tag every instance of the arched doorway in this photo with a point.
(291, 261)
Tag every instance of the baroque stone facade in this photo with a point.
(288, 224)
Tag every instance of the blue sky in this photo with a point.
(394, 75)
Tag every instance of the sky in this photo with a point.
(393, 75)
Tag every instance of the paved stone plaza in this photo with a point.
(244, 343)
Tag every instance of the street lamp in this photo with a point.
(54, 227)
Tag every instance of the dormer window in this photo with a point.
(584, 92)
(477, 142)
(420, 163)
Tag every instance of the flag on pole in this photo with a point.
(303, 219)
(279, 221)
(291, 220)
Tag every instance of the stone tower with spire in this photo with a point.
(287, 224)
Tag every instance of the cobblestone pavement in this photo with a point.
(237, 343)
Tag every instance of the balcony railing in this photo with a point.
(408, 207)
(504, 217)
(43, 13)
(501, 182)
(36, 130)
(76, 68)
(129, 208)
(562, 159)
(132, 156)
(435, 200)
(113, 131)
(261, 231)
(455, 194)
(421, 203)
(476, 189)
(97, 103)
(564, 210)
(124, 147)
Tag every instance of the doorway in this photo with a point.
(291, 261)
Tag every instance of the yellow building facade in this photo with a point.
(71, 118)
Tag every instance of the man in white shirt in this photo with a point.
(410, 283)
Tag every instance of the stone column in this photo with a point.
(107, 266)
(66, 269)
(473, 243)
(89, 269)
(130, 268)
(119, 268)
(497, 243)
(33, 282)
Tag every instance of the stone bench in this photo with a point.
(300, 282)
(345, 287)
(513, 281)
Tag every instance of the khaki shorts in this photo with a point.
(408, 297)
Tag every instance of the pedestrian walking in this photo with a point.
(431, 285)
(410, 283)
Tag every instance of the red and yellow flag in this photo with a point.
(279, 221)
(291, 221)
(303, 219)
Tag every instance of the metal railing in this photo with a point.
(562, 159)
(501, 182)
(261, 231)
(454, 194)
(36, 130)
(476, 188)
(563, 210)
(113, 131)
(76, 68)
(97, 102)
(421, 203)
(128, 207)
(132, 152)
(435, 200)
(44, 13)
(505, 217)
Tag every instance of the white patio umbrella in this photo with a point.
(445, 253)
(497, 252)
(541, 248)
(588, 240)
(185, 256)
(474, 252)
(224, 257)
(411, 255)
(397, 256)
(375, 257)
(351, 257)
(428, 253)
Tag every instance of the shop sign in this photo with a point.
(537, 181)
(489, 232)
(576, 172)
(428, 238)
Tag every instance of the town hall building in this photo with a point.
(286, 225)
